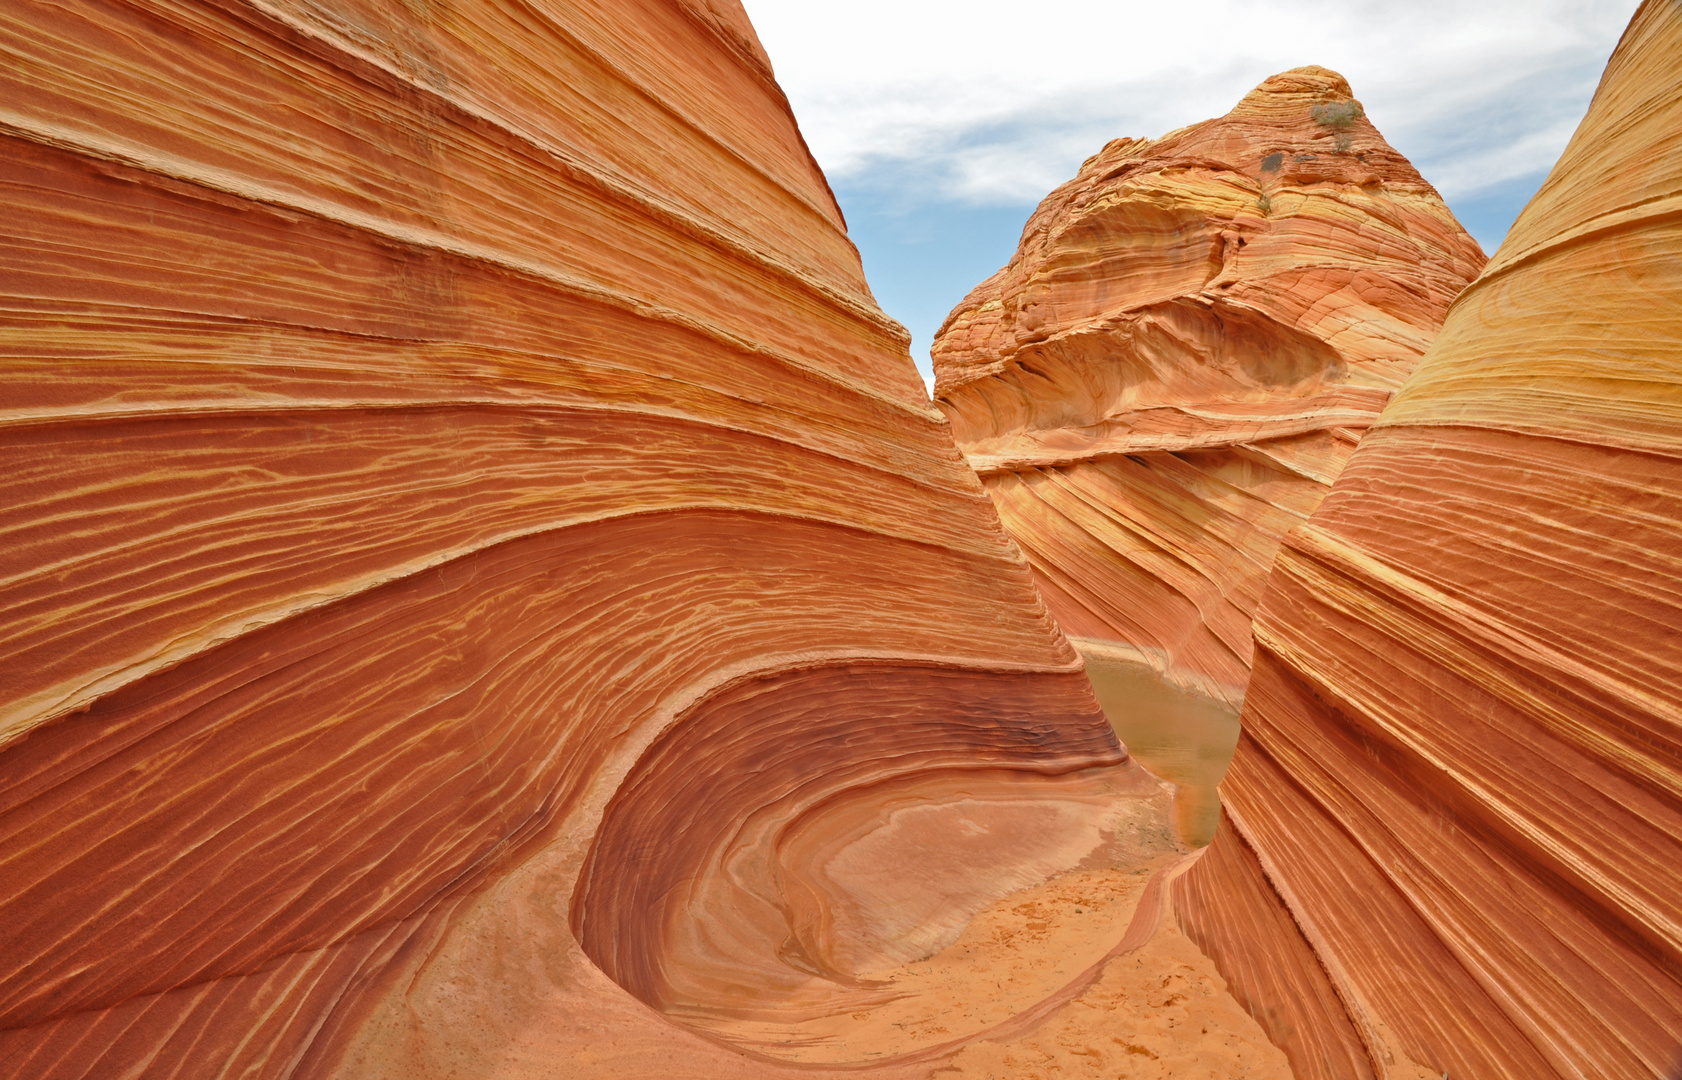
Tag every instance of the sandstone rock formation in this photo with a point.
(1182, 354)
(482, 589)
(1454, 824)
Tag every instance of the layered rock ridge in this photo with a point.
(461, 501)
(1178, 360)
(1453, 833)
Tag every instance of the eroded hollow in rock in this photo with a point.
(781, 858)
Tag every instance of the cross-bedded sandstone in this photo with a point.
(1182, 354)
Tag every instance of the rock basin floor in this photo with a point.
(1082, 973)
(1063, 959)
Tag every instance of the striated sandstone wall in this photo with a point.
(1183, 352)
(1454, 823)
(460, 500)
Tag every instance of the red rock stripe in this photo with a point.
(220, 100)
(1230, 911)
(212, 530)
(367, 791)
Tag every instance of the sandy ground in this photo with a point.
(1160, 1010)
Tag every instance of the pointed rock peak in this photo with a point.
(1296, 91)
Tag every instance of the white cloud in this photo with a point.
(991, 101)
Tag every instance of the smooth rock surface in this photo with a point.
(1453, 840)
(1188, 343)
(483, 591)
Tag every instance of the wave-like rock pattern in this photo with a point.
(1457, 803)
(747, 754)
(412, 415)
(1182, 354)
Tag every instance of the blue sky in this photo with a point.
(941, 125)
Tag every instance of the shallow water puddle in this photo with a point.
(1184, 738)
